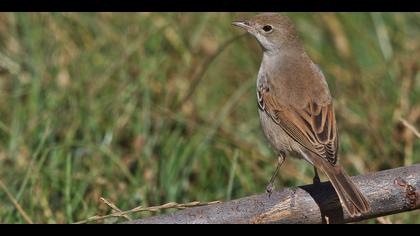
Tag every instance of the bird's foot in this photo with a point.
(316, 180)
(269, 189)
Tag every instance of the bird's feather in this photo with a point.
(312, 127)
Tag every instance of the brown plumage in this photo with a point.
(295, 105)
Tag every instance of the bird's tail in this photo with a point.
(353, 200)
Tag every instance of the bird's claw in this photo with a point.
(270, 189)
(316, 180)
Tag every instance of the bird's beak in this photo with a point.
(242, 24)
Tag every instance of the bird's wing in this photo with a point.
(313, 127)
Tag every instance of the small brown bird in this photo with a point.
(295, 106)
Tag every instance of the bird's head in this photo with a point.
(271, 30)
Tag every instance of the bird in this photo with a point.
(295, 106)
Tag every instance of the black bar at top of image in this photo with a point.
(209, 5)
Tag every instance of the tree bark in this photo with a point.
(388, 192)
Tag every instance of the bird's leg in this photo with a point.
(316, 179)
(270, 186)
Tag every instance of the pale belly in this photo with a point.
(279, 139)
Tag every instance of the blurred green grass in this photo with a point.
(149, 108)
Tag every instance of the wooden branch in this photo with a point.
(389, 192)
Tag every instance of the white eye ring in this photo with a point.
(267, 28)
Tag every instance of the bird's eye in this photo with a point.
(267, 28)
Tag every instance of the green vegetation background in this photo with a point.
(149, 108)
